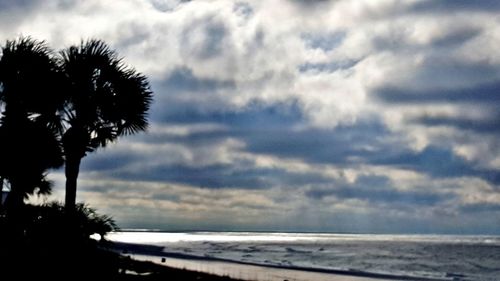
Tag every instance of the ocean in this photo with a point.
(439, 257)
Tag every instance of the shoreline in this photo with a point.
(239, 271)
(250, 271)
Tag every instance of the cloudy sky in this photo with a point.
(346, 116)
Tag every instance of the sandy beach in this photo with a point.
(248, 272)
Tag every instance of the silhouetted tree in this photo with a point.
(31, 97)
(106, 100)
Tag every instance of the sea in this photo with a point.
(403, 257)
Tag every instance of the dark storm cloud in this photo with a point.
(489, 125)
(175, 109)
(432, 160)
(219, 176)
(30, 5)
(320, 146)
(432, 6)
(109, 160)
(116, 190)
(14, 12)
(266, 129)
(270, 130)
(438, 44)
(455, 38)
(23, 4)
(256, 128)
(182, 80)
(488, 93)
(379, 190)
(213, 176)
(310, 3)
(437, 162)
(480, 208)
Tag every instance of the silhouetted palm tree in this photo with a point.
(28, 150)
(31, 97)
(106, 100)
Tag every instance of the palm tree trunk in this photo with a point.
(71, 169)
(1, 194)
(15, 198)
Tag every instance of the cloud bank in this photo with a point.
(296, 115)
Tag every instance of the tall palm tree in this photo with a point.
(31, 99)
(107, 99)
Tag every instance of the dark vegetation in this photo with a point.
(58, 106)
(52, 244)
(46, 241)
(55, 107)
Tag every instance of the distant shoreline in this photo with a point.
(158, 230)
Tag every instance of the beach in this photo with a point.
(295, 256)
(248, 272)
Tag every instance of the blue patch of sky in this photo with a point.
(243, 8)
(164, 6)
(328, 67)
(324, 41)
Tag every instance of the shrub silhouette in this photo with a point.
(53, 222)
(55, 243)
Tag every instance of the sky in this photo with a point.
(294, 115)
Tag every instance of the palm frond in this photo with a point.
(30, 76)
(108, 97)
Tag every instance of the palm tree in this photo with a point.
(107, 99)
(31, 97)
(28, 150)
